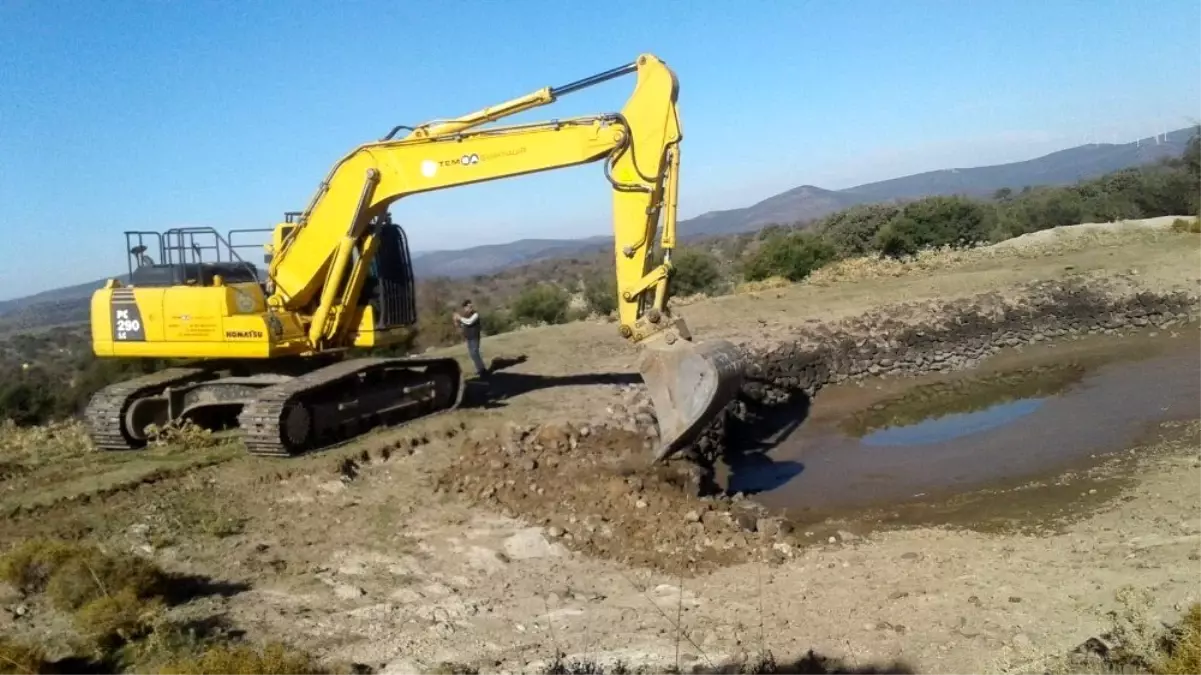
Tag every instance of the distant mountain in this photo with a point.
(800, 204)
(1058, 168)
(797, 205)
(54, 295)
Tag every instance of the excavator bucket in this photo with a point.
(689, 384)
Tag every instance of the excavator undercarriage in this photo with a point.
(278, 413)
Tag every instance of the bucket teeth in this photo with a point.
(689, 383)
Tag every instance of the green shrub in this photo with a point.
(543, 302)
(1041, 209)
(497, 322)
(1192, 154)
(27, 398)
(694, 271)
(852, 231)
(600, 292)
(794, 256)
(935, 222)
(772, 230)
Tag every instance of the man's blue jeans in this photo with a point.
(473, 348)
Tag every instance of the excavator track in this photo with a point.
(294, 416)
(105, 412)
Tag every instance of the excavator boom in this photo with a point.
(641, 149)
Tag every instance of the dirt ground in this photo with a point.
(502, 534)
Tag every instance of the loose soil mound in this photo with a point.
(596, 492)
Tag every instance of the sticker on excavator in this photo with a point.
(126, 318)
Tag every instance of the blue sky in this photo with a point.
(147, 115)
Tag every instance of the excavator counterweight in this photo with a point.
(269, 350)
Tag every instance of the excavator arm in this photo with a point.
(322, 265)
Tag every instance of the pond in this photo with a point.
(1020, 414)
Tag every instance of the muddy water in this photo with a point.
(1021, 414)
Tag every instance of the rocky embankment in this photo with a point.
(591, 485)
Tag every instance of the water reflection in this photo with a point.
(955, 425)
(960, 398)
(760, 473)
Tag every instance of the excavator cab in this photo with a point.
(191, 256)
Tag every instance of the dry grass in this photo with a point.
(1137, 643)
(1134, 631)
(31, 447)
(56, 462)
(111, 598)
(187, 435)
(110, 621)
(197, 508)
(1046, 243)
(17, 658)
(1186, 225)
(274, 658)
(1180, 650)
(684, 300)
(763, 285)
(872, 267)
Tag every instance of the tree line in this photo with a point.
(51, 375)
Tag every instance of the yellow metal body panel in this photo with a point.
(367, 335)
(191, 321)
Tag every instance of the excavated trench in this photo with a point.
(590, 485)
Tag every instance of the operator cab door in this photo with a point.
(391, 292)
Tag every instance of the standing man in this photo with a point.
(468, 324)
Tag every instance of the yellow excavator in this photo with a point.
(271, 354)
